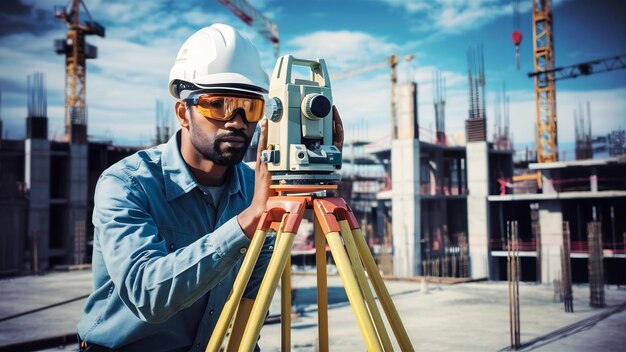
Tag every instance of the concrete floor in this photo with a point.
(462, 317)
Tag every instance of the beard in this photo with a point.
(211, 149)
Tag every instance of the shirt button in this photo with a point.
(171, 247)
(243, 250)
(197, 346)
(211, 312)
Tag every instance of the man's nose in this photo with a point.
(238, 121)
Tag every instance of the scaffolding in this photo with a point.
(584, 148)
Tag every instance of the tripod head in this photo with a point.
(300, 130)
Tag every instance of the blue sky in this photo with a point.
(143, 38)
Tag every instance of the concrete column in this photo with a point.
(77, 208)
(546, 180)
(593, 180)
(551, 224)
(477, 208)
(37, 179)
(405, 165)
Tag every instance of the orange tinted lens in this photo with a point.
(221, 107)
(212, 107)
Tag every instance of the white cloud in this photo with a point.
(341, 49)
(454, 16)
(363, 104)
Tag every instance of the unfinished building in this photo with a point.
(572, 195)
(46, 192)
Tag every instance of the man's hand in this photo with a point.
(337, 130)
(249, 218)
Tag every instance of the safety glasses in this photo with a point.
(222, 107)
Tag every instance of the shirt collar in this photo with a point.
(179, 180)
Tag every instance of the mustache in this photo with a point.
(233, 133)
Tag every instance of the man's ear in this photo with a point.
(181, 114)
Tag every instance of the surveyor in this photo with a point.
(173, 223)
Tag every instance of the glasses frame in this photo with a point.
(194, 98)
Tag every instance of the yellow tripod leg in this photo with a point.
(241, 319)
(322, 288)
(245, 307)
(266, 290)
(353, 291)
(382, 292)
(217, 337)
(359, 271)
(285, 307)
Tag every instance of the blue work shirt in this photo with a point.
(164, 259)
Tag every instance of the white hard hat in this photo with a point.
(217, 57)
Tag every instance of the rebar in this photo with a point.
(439, 101)
(583, 149)
(37, 100)
(596, 270)
(464, 257)
(513, 272)
(476, 76)
(566, 270)
(536, 231)
(452, 264)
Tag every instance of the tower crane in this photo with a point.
(583, 69)
(254, 18)
(76, 51)
(545, 93)
(545, 74)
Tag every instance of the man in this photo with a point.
(173, 223)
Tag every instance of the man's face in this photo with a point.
(224, 143)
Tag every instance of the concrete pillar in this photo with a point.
(405, 164)
(593, 180)
(546, 180)
(77, 207)
(477, 208)
(551, 224)
(37, 179)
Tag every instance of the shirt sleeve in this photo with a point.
(153, 283)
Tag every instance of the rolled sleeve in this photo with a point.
(229, 241)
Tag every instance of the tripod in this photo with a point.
(335, 224)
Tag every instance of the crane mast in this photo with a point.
(545, 94)
(76, 51)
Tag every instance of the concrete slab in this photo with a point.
(461, 317)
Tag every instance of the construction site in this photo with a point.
(434, 212)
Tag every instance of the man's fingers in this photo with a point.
(262, 139)
(337, 129)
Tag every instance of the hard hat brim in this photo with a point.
(227, 81)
